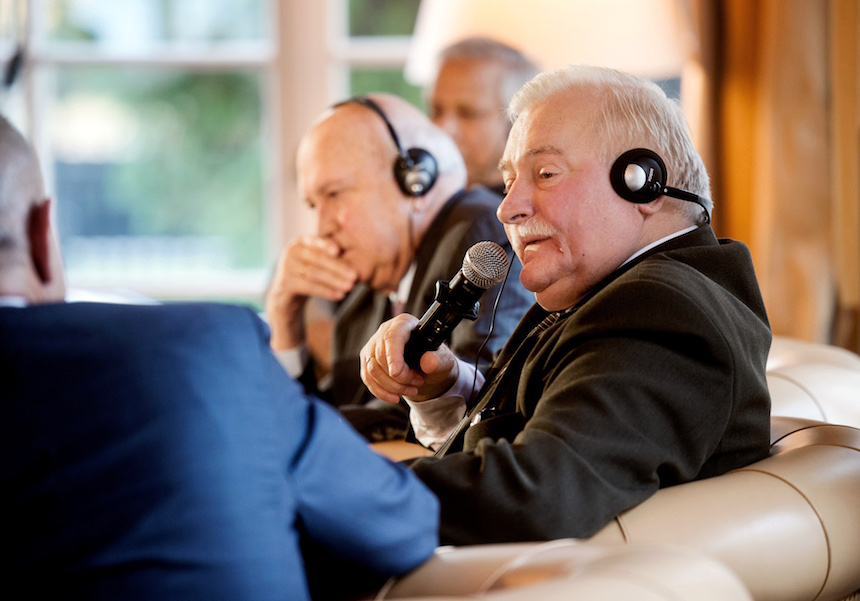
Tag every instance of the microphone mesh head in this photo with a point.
(485, 264)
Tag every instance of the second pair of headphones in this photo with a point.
(415, 169)
(639, 175)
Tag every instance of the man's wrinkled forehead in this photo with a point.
(320, 158)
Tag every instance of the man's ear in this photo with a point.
(39, 237)
(650, 208)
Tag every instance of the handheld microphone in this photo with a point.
(485, 264)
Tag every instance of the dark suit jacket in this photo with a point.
(467, 218)
(161, 452)
(657, 377)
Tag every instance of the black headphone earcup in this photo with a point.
(638, 175)
(415, 172)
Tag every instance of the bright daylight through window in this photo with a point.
(149, 116)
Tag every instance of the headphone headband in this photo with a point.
(369, 103)
(415, 169)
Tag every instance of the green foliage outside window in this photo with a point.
(365, 81)
(194, 164)
(382, 17)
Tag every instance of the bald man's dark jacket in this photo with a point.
(656, 377)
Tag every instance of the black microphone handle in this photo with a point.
(440, 319)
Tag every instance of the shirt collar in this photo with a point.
(645, 249)
(398, 298)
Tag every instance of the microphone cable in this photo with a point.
(443, 448)
(492, 325)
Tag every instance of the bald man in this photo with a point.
(380, 247)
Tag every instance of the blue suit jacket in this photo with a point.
(161, 452)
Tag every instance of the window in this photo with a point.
(167, 128)
(149, 117)
(374, 44)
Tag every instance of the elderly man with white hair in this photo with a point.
(642, 364)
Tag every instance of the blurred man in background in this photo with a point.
(477, 77)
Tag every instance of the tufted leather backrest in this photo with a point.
(788, 525)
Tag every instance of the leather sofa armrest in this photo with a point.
(400, 450)
(567, 569)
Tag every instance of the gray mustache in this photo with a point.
(532, 229)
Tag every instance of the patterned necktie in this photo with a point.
(470, 416)
(545, 323)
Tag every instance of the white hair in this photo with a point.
(634, 113)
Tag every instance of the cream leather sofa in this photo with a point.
(786, 528)
(568, 570)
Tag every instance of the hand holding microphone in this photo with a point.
(399, 343)
(485, 265)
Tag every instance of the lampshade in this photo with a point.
(645, 37)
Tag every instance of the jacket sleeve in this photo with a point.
(364, 508)
(359, 509)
